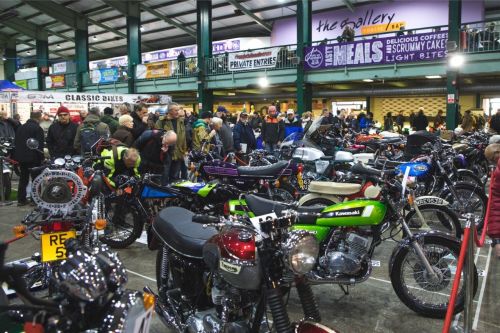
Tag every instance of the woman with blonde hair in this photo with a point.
(124, 131)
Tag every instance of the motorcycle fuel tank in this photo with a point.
(353, 213)
(307, 154)
(417, 169)
(233, 254)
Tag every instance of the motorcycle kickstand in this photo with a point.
(345, 289)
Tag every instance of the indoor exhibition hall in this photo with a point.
(250, 166)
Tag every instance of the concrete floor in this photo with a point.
(371, 306)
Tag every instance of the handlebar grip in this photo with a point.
(205, 219)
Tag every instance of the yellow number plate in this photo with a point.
(53, 245)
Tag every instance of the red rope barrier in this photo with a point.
(463, 252)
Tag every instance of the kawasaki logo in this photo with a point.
(345, 212)
(230, 268)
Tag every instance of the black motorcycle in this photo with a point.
(218, 275)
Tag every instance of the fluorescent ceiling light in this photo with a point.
(433, 76)
(457, 60)
(264, 82)
(58, 46)
(367, 80)
(95, 37)
(142, 28)
(28, 52)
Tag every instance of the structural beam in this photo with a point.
(254, 17)
(348, 4)
(26, 28)
(452, 74)
(9, 65)
(204, 52)
(42, 60)
(304, 38)
(169, 20)
(60, 13)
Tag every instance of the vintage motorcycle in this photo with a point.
(88, 295)
(422, 265)
(220, 275)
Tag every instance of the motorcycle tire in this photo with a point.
(398, 278)
(482, 171)
(448, 221)
(468, 191)
(285, 193)
(7, 186)
(469, 178)
(135, 230)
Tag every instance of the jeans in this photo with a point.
(25, 178)
(171, 171)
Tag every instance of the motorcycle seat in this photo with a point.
(334, 188)
(391, 140)
(262, 206)
(174, 226)
(360, 169)
(265, 170)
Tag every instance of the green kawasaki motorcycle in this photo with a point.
(422, 265)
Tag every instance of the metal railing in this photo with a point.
(467, 266)
(482, 36)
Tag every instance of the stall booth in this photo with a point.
(26, 101)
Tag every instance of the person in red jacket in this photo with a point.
(492, 153)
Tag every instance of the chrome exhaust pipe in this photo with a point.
(315, 279)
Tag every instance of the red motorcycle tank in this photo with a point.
(233, 254)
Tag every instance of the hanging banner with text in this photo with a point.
(250, 60)
(55, 81)
(153, 70)
(73, 97)
(105, 75)
(390, 50)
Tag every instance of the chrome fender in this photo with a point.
(429, 199)
(311, 196)
(406, 242)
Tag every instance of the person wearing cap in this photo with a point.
(172, 122)
(201, 131)
(273, 131)
(61, 135)
(108, 119)
(243, 134)
(292, 123)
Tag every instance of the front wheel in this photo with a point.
(436, 217)
(123, 225)
(417, 289)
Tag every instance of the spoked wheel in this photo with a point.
(123, 225)
(472, 199)
(436, 217)
(422, 292)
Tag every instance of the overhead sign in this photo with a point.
(153, 70)
(259, 59)
(55, 81)
(381, 28)
(73, 97)
(105, 75)
(408, 48)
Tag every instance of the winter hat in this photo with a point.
(62, 109)
(290, 111)
(221, 108)
(206, 114)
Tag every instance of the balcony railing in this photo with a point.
(479, 37)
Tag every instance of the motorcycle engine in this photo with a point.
(347, 256)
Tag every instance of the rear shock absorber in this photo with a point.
(278, 310)
(307, 300)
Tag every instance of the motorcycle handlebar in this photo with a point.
(205, 219)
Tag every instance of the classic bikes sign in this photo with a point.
(258, 59)
(71, 97)
(408, 48)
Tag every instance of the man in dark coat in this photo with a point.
(495, 122)
(109, 120)
(243, 133)
(273, 130)
(421, 121)
(140, 120)
(61, 134)
(7, 126)
(28, 158)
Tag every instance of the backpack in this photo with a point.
(88, 137)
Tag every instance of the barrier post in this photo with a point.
(469, 275)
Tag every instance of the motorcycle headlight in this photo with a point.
(300, 251)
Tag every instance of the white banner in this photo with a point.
(73, 97)
(259, 59)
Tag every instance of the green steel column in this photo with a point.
(452, 106)
(81, 55)
(304, 38)
(42, 59)
(204, 44)
(479, 101)
(9, 64)
(133, 41)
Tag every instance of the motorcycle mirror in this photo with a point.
(32, 143)
(67, 157)
(77, 159)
